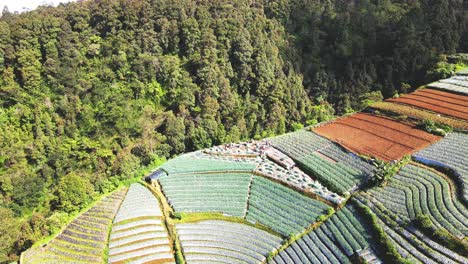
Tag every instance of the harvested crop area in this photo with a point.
(376, 136)
(420, 114)
(448, 104)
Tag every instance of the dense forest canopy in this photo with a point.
(91, 91)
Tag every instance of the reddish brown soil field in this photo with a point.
(376, 136)
(437, 101)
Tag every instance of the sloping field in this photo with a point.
(138, 234)
(282, 209)
(299, 143)
(376, 136)
(450, 152)
(321, 158)
(84, 239)
(415, 190)
(187, 164)
(410, 242)
(298, 179)
(437, 101)
(216, 241)
(211, 192)
(420, 114)
(333, 242)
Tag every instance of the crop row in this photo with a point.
(225, 193)
(283, 209)
(84, 239)
(450, 152)
(219, 239)
(332, 242)
(449, 87)
(138, 202)
(138, 233)
(420, 114)
(337, 153)
(410, 242)
(425, 192)
(298, 179)
(299, 143)
(187, 164)
(338, 176)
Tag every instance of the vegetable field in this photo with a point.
(332, 242)
(84, 239)
(376, 136)
(415, 190)
(280, 208)
(215, 241)
(299, 144)
(297, 178)
(445, 103)
(410, 243)
(212, 192)
(450, 152)
(338, 176)
(333, 166)
(187, 164)
(138, 233)
(419, 114)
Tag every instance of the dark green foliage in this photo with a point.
(441, 235)
(100, 88)
(384, 245)
(434, 128)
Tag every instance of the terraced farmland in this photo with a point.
(419, 114)
(445, 103)
(411, 243)
(415, 190)
(216, 241)
(84, 239)
(330, 164)
(285, 200)
(299, 144)
(298, 179)
(450, 152)
(337, 175)
(187, 164)
(280, 208)
(138, 234)
(333, 242)
(212, 192)
(376, 136)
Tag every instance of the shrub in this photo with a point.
(440, 235)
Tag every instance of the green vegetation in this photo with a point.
(281, 208)
(97, 90)
(389, 252)
(434, 128)
(441, 235)
(383, 171)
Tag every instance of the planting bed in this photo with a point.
(138, 234)
(212, 192)
(332, 242)
(282, 209)
(84, 239)
(295, 177)
(420, 114)
(216, 241)
(437, 101)
(450, 152)
(188, 164)
(415, 190)
(376, 136)
(410, 243)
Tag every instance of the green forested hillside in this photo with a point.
(91, 91)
